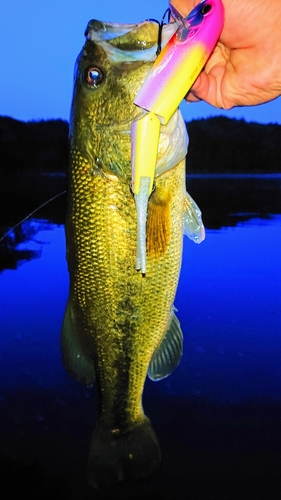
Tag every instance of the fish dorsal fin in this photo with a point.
(193, 226)
(168, 355)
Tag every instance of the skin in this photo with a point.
(244, 69)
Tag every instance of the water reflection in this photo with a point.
(18, 199)
(21, 244)
(217, 417)
(229, 302)
(224, 199)
(227, 199)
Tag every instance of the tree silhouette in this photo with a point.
(217, 145)
(221, 144)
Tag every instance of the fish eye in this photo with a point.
(93, 76)
(205, 9)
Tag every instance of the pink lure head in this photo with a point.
(205, 22)
(182, 59)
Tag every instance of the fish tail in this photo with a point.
(116, 454)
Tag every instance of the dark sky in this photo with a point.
(40, 41)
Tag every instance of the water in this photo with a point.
(217, 417)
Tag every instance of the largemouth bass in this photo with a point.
(120, 324)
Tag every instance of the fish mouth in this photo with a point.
(102, 31)
(129, 42)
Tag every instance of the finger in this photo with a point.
(190, 97)
(236, 78)
(207, 88)
(208, 85)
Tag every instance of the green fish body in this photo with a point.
(119, 325)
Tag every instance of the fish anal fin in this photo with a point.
(158, 228)
(80, 366)
(192, 220)
(168, 355)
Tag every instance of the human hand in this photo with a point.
(245, 67)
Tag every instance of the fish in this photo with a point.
(120, 324)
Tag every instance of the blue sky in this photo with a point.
(39, 43)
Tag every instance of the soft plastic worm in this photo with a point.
(171, 77)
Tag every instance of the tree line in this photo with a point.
(221, 144)
(217, 145)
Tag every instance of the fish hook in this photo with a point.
(161, 25)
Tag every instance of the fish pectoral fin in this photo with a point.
(79, 365)
(168, 355)
(192, 220)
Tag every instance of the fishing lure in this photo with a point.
(171, 77)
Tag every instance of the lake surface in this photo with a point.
(217, 417)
